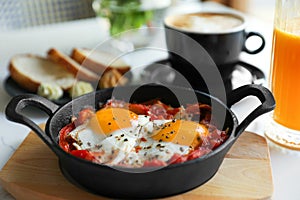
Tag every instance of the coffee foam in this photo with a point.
(205, 22)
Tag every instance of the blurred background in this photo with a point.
(261, 9)
(19, 14)
(16, 14)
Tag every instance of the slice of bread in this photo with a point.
(99, 61)
(72, 66)
(29, 71)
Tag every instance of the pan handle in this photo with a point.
(263, 94)
(18, 103)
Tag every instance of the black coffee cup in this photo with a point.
(196, 52)
(222, 35)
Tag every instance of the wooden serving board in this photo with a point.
(33, 173)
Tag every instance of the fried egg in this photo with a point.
(117, 136)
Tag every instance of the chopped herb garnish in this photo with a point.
(198, 138)
(181, 149)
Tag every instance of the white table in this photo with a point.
(89, 33)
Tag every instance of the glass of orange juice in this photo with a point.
(284, 128)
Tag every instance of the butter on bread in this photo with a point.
(99, 61)
(29, 71)
(72, 66)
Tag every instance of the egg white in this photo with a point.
(120, 146)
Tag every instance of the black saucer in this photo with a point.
(13, 89)
(233, 75)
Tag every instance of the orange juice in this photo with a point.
(285, 74)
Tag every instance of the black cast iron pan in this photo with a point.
(155, 183)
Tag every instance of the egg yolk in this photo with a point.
(182, 132)
(108, 120)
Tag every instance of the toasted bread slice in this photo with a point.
(99, 61)
(29, 71)
(72, 66)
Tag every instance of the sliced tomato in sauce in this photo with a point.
(139, 109)
(177, 158)
(157, 111)
(154, 163)
(84, 115)
(173, 111)
(63, 143)
(84, 154)
(197, 153)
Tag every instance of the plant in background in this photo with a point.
(124, 14)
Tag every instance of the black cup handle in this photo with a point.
(263, 94)
(259, 49)
(18, 103)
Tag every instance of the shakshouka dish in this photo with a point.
(135, 135)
